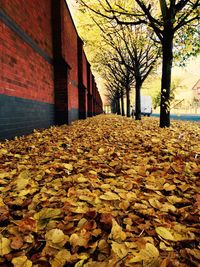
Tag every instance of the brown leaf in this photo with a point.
(16, 242)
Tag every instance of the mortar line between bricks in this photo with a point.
(24, 36)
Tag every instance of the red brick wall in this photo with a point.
(84, 69)
(91, 83)
(39, 74)
(70, 54)
(34, 17)
(99, 104)
(90, 95)
(25, 73)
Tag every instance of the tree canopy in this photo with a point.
(167, 19)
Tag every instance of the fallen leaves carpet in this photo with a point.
(106, 191)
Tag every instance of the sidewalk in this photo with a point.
(106, 191)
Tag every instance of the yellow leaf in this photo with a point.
(3, 151)
(45, 215)
(105, 186)
(101, 151)
(61, 258)
(131, 196)
(131, 172)
(79, 210)
(2, 176)
(2, 202)
(150, 255)
(82, 222)
(81, 179)
(155, 140)
(120, 249)
(79, 263)
(21, 261)
(23, 180)
(25, 192)
(130, 245)
(155, 203)
(117, 233)
(113, 163)
(184, 236)
(168, 207)
(109, 196)
(124, 205)
(4, 246)
(80, 240)
(56, 236)
(93, 172)
(184, 187)
(68, 166)
(169, 187)
(164, 233)
(174, 199)
(135, 258)
(85, 256)
(164, 247)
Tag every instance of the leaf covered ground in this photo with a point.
(107, 191)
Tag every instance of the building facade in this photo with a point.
(196, 91)
(45, 78)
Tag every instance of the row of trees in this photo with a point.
(135, 34)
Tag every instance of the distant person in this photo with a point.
(132, 111)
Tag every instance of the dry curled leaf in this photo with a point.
(79, 240)
(56, 237)
(61, 258)
(4, 246)
(109, 196)
(164, 233)
(119, 249)
(21, 261)
(117, 234)
(148, 256)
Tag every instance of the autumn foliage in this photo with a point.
(107, 191)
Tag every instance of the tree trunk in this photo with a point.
(122, 103)
(118, 103)
(113, 106)
(137, 100)
(167, 48)
(128, 114)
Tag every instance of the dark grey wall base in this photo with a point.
(20, 116)
(73, 115)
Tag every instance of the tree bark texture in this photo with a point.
(167, 46)
(138, 100)
(118, 104)
(128, 102)
(122, 104)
